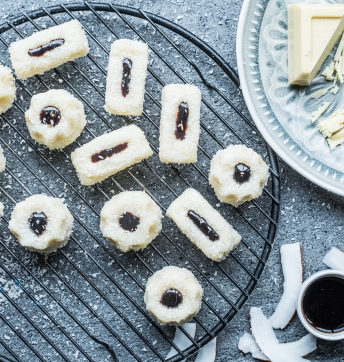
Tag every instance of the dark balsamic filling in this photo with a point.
(171, 298)
(323, 304)
(182, 121)
(129, 222)
(102, 155)
(203, 226)
(50, 115)
(242, 173)
(127, 65)
(38, 223)
(41, 50)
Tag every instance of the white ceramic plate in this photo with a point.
(282, 113)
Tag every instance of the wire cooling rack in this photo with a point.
(88, 295)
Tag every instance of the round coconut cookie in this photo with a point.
(41, 223)
(173, 295)
(7, 89)
(55, 118)
(131, 220)
(238, 174)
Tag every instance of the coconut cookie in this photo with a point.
(173, 295)
(125, 82)
(179, 123)
(41, 223)
(203, 225)
(110, 153)
(7, 89)
(48, 49)
(238, 174)
(131, 220)
(2, 160)
(55, 118)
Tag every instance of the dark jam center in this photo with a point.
(171, 298)
(129, 222)
(203, 226)
(50, 115)
(242, 173)
(127, 65)
(182, 121)
(323, 304)
(38, 223)
(102, 155)
(41, 50)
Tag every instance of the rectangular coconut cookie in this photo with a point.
(203, 225)
(48, 49)
(179, 123)
(110, 153)
(125, 82)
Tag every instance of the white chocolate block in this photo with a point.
(131, 220)
(7, 89)
(117, 100)
(112, 153)
(181, 280)
(216, 247)
(175, 146)
(2, 160)
(75, 46)
(59, 126)
(44, 238)
(312, 33)
(223, 169)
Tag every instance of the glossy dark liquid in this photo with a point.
(127, 65)
(41, 50)
(38, 223)
(242, 173)
(323, 304)
(50, 115)
(203, 226)
(182, 121)
(171, 298)
(102, 155)
(129, 222)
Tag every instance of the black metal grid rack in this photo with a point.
(88, 295)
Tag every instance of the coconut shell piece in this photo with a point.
(267, 340)
(292, 267)
(334, 259)
(181, 340)
(207, 353)
(302, 347)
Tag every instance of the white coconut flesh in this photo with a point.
(302, 347)
(247, 344)
(334, 259)
(291, 259)
(181, 340)
(267, 340)
(207, 353)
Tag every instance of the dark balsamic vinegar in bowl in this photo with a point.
(323, 304)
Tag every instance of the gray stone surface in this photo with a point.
(309, 214)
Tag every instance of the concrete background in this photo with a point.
(309, 214)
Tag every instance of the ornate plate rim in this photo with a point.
(274, 143)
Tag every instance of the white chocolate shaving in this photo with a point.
(333, 124)
(336, 140)
(316, 114)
